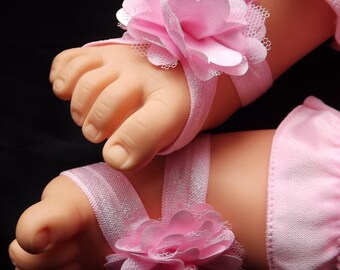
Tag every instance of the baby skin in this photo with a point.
(141, 109)
(119, 95)
(61, 231)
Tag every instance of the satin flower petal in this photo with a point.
(190, 237)
(210, 39)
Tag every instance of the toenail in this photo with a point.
(118, 156)
(91, 131)
(76, 117)
(58, 85)
(42, 240)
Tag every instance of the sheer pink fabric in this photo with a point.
(303, 216)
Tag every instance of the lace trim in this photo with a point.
(230, 42)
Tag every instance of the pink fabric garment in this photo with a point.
(303, 214)
(190, 234)
(335, 4)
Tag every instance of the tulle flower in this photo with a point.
(193, 238)
(208, 36)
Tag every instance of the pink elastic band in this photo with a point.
(254, 83)
(202, 95)
(113, 199)
(189, 235)
(186, 176)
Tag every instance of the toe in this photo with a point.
(151, 128)
(58, 257)
(113, 106)
(61, 213)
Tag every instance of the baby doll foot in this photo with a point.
(118, 95)
(59, 232)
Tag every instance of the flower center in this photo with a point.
(166, 254)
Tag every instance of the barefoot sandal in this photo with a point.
(227, 36)
(190, 235)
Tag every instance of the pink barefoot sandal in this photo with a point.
(190, 235)
(220, 36)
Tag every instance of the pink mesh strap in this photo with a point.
(114, 201)
(335, 4)
(192, 167)
(254, 83)
(202, 95)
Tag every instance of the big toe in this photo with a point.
(56, 218)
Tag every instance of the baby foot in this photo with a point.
(59, 232)
(117, 95)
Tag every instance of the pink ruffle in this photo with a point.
(303, 213)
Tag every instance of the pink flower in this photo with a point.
(209, 36)
(193, 237)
